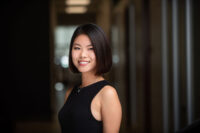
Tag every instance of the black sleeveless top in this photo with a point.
(76, 116)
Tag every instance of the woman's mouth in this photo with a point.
(83, 63)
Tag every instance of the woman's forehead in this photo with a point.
(82, 40)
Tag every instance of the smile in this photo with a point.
(83, 63)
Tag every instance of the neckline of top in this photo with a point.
(92, 84)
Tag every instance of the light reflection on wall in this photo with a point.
(115, 41)
(64, 61)
(59, 86)
(63, 36)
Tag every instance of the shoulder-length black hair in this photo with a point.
(100, 44)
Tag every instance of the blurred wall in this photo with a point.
(25, 93)
(147, 18)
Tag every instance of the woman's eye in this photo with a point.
(76, 48)
(91, 48)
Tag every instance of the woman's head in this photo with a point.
(100, 46)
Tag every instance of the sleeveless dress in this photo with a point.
(76, 116)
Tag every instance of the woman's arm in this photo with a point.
(111, 110)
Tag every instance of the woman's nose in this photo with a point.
(83, 53)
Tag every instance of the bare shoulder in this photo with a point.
(68, 93)
(108, 92)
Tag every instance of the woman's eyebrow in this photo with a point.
(89, 45)
(77, 44)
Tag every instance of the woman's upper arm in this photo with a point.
(67, 93)
(111, 110)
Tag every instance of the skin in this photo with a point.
(105, 106)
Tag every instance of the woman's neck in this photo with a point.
(88, 78)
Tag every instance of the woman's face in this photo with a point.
(83, 55)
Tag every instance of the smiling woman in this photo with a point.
(92, 106)
(96, 38)
(83, 55)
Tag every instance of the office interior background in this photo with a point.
(156, 61)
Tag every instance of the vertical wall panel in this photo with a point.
(175, 50)
(189, 61)
(165, 86)
(132, 63)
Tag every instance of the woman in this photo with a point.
(93, 106)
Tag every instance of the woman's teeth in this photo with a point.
(83, 62)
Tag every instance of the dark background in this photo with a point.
(25, 72)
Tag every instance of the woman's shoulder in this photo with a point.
(108, 92)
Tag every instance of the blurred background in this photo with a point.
(156, 61)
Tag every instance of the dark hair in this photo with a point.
(100, 44)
